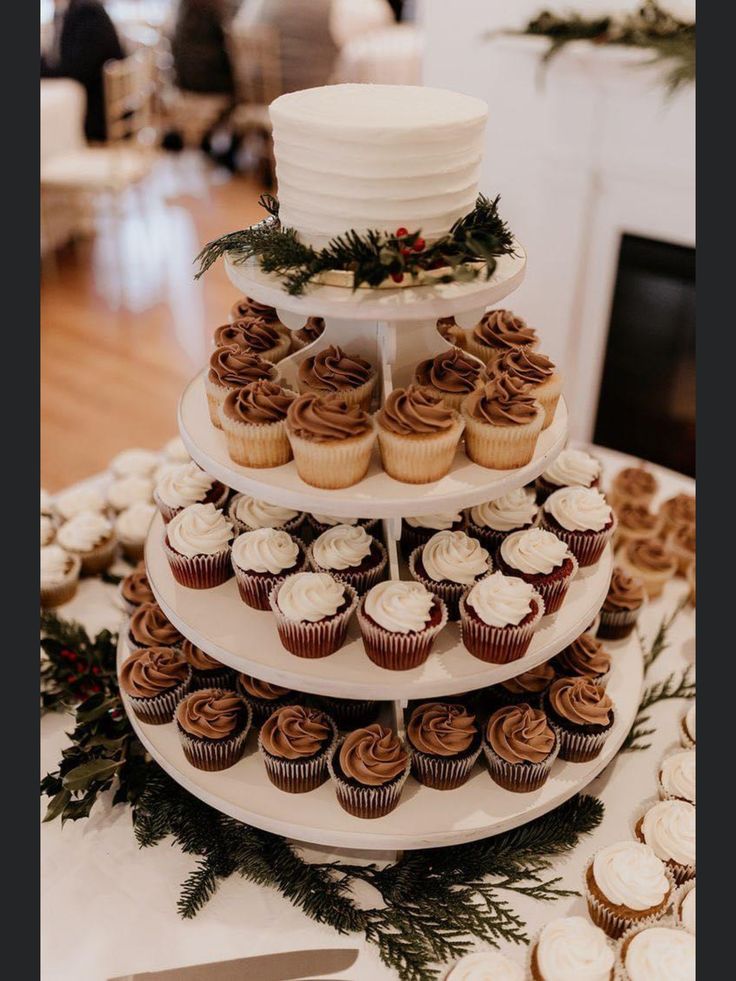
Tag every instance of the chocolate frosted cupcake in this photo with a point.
(263, 697)
(497, 332)
(155, 680)
(681, 543)
(197, 545)
(349, 713)
(149, 627)
(331, 440)
(135, 589)
(248, 514)
(369, 768)
(213, 725)
(635, 524)
(676, 511)
(582, 519)
(622, 605)
(668, 827)
(448, 564)
(91, 538)
(206, 671)
(294, 742)
(445, 743)
(448, 328)
(399, 622)
(495, 520)
(418, 435)
(59, 576)
(418, 530)
(184, 485)
(503, 421)
(351, 555)
(253, 419)
(312, 611)
(582, 714)
(649, 561)
(334, 372)
(450, 375)
(633, 485)
(526, 367)
(570, 948)
(585, 657)
(256, 335)
(529, 687)
(233, 367)
(626, 885)
(520, 747)
(541, 559)
(246, 306)
(570, 468)
(308, 334)
(261, 560)
(498, 617)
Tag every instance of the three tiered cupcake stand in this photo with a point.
(394, 328)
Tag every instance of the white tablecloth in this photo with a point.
(109, 908)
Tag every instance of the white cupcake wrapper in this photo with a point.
(97, 559)
(420, 459)
(680, 895)
(254, 590)
(298, 776)
(199, 571)
(366, 802)
(395, 651)
(305, 639)
(449, 592)
(443, 772)
(216, 754)
(167, 512)
(580, 747)
(519, 778)
(615, 922)
(587, 547)
(361, 581)
(160, 709)
(216, 395)
(259, 446)
(497, 645)
(680, 873)
(622, 943)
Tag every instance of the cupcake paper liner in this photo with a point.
(259, 446)
(617, 624)
(449, 592)
(613, 920)
(160, 709)
(552, 591)
(501, 447)
(254, 589)
(497, 645)
(491, 538)
(298, 776)
(360, 580)
(519, 778)
(680, 873)
(580, 747)
(349, 713)
(199, 571)
(665, 794)
(395, 651)
(97, 559)
(132, 550)
(167, 512)
(212, 679)
(587, 547)
(262, 708)
(305, 639)
(366, 802)
(680, 895)
(443, 772)
(215, 754)
(332, 465)
(622, 943)
(412, 537)
(419, 459)
(55, 595)
(548, 395)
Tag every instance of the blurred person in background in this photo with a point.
(201, 62)
(83, 39)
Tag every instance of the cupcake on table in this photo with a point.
(334, 371)
(687, 729)
(70, 503)
(570, 948)
(135, 589)
(416, 531)
(681, 543)
(503, 421)
(685, 907)
(497, 332)
(261, 560)
(294, 743)
(570, 468)
(622, 606)
(448, 564)
(486, 965)
(527, 367)
(495, 520)
(450, 375)
(634, 486)
(418, 435)
(308, 334)
(312, 611)
(256, 335)
(350, 554)
(676, 776)
(498, 616)
(369, 768)
(676, 511)
(253, 419)
(543, 561)
(445, 742)
(331, 439)
(520, 747)
(197, 545)
(657, 953)
(187, 484)
(134, 463)
(249, 513)
(582, 714)
(582, 518)
(59, 575)
(650, 562)
(131, 529)
(668, 827)
(399, 622)
(230, 368)
(124, 492)
(89, 536)
(636, 524)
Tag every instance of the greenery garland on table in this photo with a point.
(373, 256)
(672, 41)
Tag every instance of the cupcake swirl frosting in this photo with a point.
(199, 529)
(684, 538)
(133, 523)
(416, 411)
(520, 734)
(78, 499)
(524, 365)
(147, 673)
(312, 330)
(342, 547)
(246, 306)
(580, 701)
(255, 334)
(441, 729)
(531, 682)
(650, 555)
(373, 756)
(585, 657)
(454, 556)
(262, 689)
(450, 371)
(661, 954)
(486, 965)
(310, 596)
(501, 601)
(669, 829)
(295, 732)
(184, 485)
(534, 551)
(572, 947)
(502, 402)
(635, 482)
(435, 522)
(134, 461)
(150, 628)
(197, 658)
(629, 874)
(324, 419)
(579, 509)
(55, 565)
(136, 589)
(624, 593)
(635, 517)
(259, 403)
(502, 330)
(84, 531)
(332, 370)
(265, 550)
(677, 775)
(573, 468)
(234, 366)
(517, 509)
(210, 713)
(679, 510)
(129, 490)
(399, 606)
(260, 514)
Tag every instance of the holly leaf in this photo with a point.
(82, 776)
(57, 805)
(94, 708)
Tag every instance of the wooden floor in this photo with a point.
(123, 323)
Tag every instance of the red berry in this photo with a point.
(405, 251)
(402, 232)
(419, 245)
(397, 277)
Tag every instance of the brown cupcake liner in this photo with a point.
(215, 754)
(167, 512)
(258, 446)
(419, 459)
(349, 713)
(333, 465)
(490, 538)
(199, 571)
(305, 639)
(519, 778)
(364, 801)
(298, 776)
(501, 447)
(587, 547)
(212, 679)
(580, 747)
(623, 942)
(52, 596)
(552, 591)
(394, 651)
(160, 709)
(680, 873)
(449, 592)
(497, 645)
(360, 580)
(254, 589)
(412, 537)
(132, 550)
(615, 921)
(443, 772)
(617, 624)
(98, 559)
(262, 708)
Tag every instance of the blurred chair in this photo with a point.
(255, 57)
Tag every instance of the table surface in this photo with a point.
(94, 873)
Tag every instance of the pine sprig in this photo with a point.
(661, 639)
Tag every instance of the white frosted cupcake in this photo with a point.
(570, 468)
(317, 523)
(668, 827)
(91, 537)
(657, 953)
(131, 528)
(135, 462)
(486, 965)
(498, 617)
(448, 565)
(248, 514)
(87, 497)
(176, 451)
(626, 885)
(312, 611)
(197, 545)
(685, 906)
(399, 621)
(541, 559)
(262, 559)
(186, 485)
(676, 777)
(47, 530)
(570, 948)
(495, 520)
(687, 729)
(350, 554)
(59, 575)
(581, 518)
(418, 530)
(126, 491)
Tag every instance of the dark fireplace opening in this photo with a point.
(646, 404)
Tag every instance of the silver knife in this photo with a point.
(311, 963)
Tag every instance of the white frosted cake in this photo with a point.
(376, 156)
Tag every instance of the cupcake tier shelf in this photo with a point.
(424, 818)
